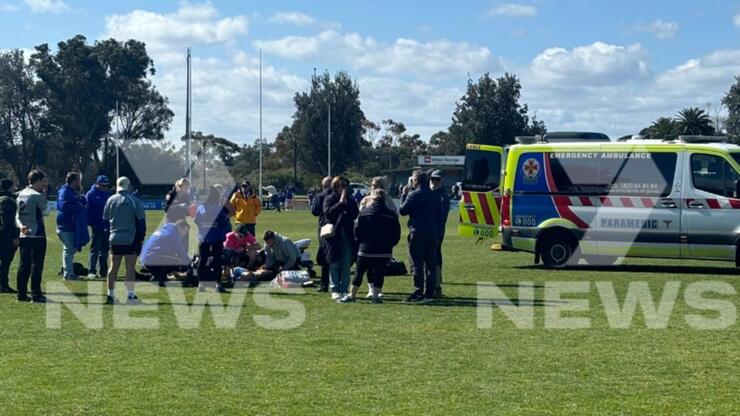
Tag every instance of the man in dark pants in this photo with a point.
(317, 209)
(423, 208)
(9, 232)
(96, 199)
(436, 183)
(32, 207)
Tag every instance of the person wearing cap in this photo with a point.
(423, 209)
(96, 197)
(247, 207)
(124, 212)
(69, 204)
(32, 208)
(436, 183)
(9, 232)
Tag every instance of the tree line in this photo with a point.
(65, 109)
(697, 121)
(61, 110)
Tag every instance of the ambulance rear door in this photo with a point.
(480, 206)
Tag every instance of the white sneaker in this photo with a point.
(336, 296)
(92, 276)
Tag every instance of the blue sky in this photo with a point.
(605, 66)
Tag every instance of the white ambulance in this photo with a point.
(569, 199)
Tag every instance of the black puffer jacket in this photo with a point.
(8, 229)
(377, 231)
(342, 215)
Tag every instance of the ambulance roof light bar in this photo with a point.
(574, 136)
(702, 139)
(527, 139)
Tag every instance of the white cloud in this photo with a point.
(596, 64)
(46, 6)
(226, 96)
(627, 104)
(9, 7)
(191, 24)
(737, 20)
(292, 18)
(702, 79)
(513, 10)
(425, 108)
(440, 57)
(659, 28)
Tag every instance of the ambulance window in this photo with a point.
(482, 170)
(575, 173)
(637, 173)
(736, 156)
(713, 174)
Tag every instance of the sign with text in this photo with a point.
(441, 160)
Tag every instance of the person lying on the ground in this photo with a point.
(163, 252)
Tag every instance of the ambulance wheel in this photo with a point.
(601, 260)
(557, 250)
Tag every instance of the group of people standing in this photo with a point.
(366, 233)
(117, 222)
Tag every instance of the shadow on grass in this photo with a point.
(399, 298)
(490, 284)
(646, 268)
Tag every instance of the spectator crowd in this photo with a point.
(352, 229)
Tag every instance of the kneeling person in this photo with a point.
(240, 248)
(280, 254)
(163, 252)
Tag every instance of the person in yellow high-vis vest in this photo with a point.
(246, 206)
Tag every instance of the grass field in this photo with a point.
(380, 359)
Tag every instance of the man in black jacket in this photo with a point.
(9, 232)
(423, 208)
(317, 209)
(436, 180)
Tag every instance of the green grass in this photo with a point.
(379, 359)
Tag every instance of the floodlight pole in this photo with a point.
(188, 109)
(118, 144)
(260, 139)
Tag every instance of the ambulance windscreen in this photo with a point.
(736, 156)
(482, 171)
(613, 173)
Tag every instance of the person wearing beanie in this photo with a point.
(124, 212)
(96, 197)
(9, 232)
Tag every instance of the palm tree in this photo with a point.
(664, 128)
(694, 120)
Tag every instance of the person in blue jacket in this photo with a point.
(163, 252)
(69, 204)
(212, 219)
(96, 197)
